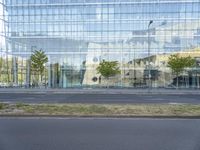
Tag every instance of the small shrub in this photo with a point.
(1, 106)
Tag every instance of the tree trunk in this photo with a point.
(177, 81)
(107, 83)
(38, 79)
(41, 78)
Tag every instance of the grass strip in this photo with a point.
(3, 106)
(104, 110)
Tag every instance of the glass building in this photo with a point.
(77, 35)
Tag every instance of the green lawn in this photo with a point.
(159, 110)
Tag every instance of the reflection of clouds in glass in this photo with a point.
(98, 16)
(98, 13)
(104, 13)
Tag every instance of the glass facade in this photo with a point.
(77, 35)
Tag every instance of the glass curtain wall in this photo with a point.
(77, 35)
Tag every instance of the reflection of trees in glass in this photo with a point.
(1, 66)
(178, 64)
(38, 60)
(108, 68)
(5, 70)
(8, 69)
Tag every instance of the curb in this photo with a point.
(100, 116)
(105, 92)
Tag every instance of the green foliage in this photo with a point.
(178, 64)
(5, 69)
(108, 68)
(1, 106)
(20, 104)
(38, 59)
(1, 62)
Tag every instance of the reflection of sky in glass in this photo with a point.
(104, 21)
(99, 17)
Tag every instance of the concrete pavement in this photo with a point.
(139, 91)
(99, 134)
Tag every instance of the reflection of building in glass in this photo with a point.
(76, 35)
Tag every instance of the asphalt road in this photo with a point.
(99, 134)
(98, 98)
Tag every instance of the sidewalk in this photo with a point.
(102, 91)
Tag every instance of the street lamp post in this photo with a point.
(149, 71)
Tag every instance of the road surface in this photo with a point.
(99, 134)
(98, 98)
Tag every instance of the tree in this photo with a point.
(38, 59)
(178, 64)
(108, 68)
